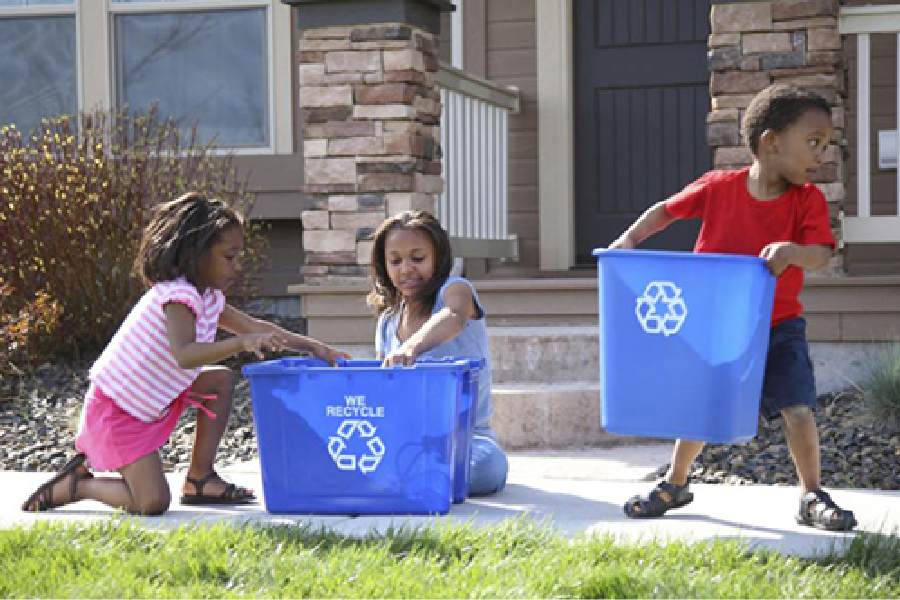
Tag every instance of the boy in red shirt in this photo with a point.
(769, 209)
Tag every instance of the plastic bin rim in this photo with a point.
(471, 361)
(601, 252)
(277, 367)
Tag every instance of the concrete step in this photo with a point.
(551, 416)
(546, 355)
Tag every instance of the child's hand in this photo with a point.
(402, 356)
(257, 342)
(779, 256)
(623, 242)
(329, 354)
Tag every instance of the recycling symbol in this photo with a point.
(346, 461)
(661, 308)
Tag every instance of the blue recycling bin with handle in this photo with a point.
(683, 343)
(358, 438)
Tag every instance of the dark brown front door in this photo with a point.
(641, 99)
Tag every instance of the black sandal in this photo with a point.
(818, 510)
(656, 505)
(232, 494)
(42, 498)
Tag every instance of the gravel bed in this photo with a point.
(39, 415)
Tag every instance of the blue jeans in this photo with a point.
(488, 466)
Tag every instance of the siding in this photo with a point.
(510, 58)
(285, 256)
(872, 259)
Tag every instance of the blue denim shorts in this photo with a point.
(789, 379)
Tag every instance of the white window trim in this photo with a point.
(555, 134)
(94, 55)
(456, 37)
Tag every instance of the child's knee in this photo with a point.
(219, 380)
(797, 415)
(489, 467)
(154, 503)
(222, 379)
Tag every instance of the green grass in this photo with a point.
(513, 560)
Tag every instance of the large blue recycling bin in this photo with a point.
(683, 342)
(356, 439)
(462, 439)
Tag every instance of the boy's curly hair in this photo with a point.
(778, 107)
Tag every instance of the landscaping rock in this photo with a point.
(39, 416)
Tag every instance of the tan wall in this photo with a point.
(285, 255)
(501, 45)
(276, 181)
(873, 259)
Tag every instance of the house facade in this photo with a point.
(623, 102)
(537, 129)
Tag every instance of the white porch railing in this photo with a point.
(474, 138)
(863, 21)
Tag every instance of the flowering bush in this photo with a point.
(74, 198)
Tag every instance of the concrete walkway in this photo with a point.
(576, 491)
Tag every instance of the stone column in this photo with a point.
(754, 44)
(366, 72)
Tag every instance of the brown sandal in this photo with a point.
(42, 498)
(232, 494)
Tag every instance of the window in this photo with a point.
(208, 67)
(224, 65)
(37, 61)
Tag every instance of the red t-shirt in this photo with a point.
(734, 222)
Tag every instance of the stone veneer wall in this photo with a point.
(754, 44)
(371, 139)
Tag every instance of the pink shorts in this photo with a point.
(112, 438)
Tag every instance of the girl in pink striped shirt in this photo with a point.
(161, 360)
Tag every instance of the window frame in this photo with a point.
(95, 59)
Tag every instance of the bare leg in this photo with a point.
(141, 490)
(218, 381)
(803, 441)
(684, 453)
(664, 496)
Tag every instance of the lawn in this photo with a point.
(119, 559)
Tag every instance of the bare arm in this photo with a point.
(251, 335)
(443, 326)
(781, 255)
(656, 218)
(240, 323)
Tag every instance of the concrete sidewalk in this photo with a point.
(576, 491)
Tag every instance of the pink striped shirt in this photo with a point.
(137, 368)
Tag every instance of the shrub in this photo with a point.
(883, 388)
(73, 202)
(25, 334)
